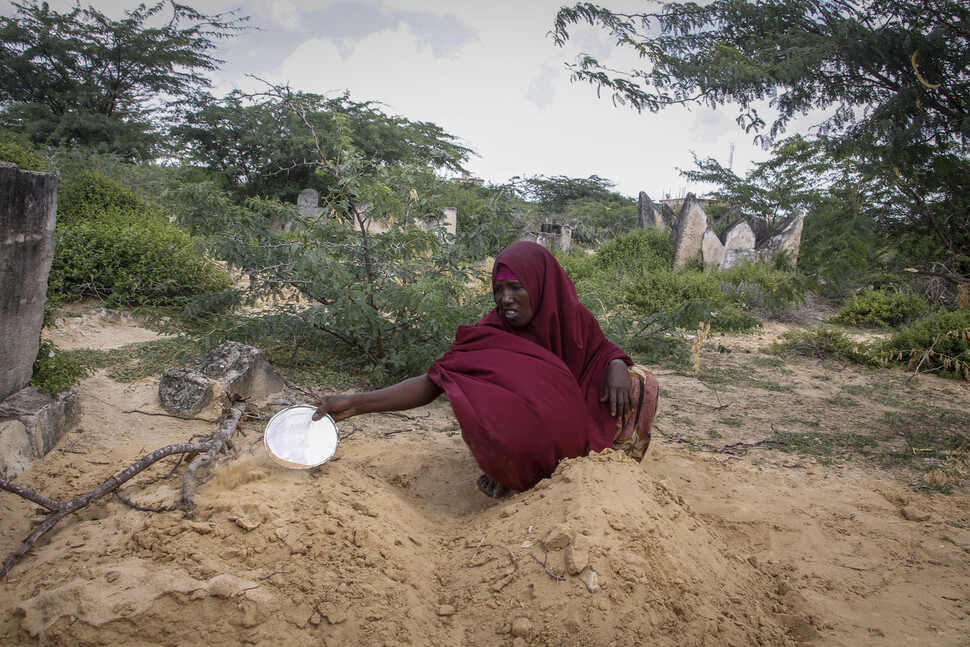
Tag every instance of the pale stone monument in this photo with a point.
(687, 234)
(448, 221)
(28, 207)
(31, 422)
(551, 236)
(712, 250)
(308, 202)
(786, 238)
(738, 244)
(648, 215)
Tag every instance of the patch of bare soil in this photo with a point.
(717, 538)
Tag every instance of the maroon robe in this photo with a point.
(528, 397)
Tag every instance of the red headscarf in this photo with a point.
(528, 397)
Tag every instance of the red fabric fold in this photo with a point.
(519, 408)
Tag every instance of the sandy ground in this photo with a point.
(704, 543)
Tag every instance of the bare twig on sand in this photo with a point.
(553, 575)
(167, 415)
(206, 451)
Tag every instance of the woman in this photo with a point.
(534, 382)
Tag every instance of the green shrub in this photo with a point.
(17, 149)
(637, 252)
(55, 373)
(823, 343)
(882, 309)
(130, 263)
(943, 338)
(113, 246)
(91, 195)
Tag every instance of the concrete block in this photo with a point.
(45, 419)
(241, 369)
(15, 454)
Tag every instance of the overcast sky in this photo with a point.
(486, 72)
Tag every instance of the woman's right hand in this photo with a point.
(340, 407)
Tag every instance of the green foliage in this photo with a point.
(91, 195)
(362, 274)
(258, 146)
(133, 362)
(16, 148)
(824, 343)
(81, 79)
(54, 372)
(937, 343)
(112, 246)
(889, 77)
(763, 289)
(555, 194)
(595, 212)
(882, 309)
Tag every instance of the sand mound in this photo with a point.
(378, 547)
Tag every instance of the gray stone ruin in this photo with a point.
(232, 367)
(551, 236)
(742, 238)
(308, 202)
(448, 221)
(649, 216)
(31, 422)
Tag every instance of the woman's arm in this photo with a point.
(412, 392)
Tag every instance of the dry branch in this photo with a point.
(207, 449)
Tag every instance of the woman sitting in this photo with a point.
(534, 382)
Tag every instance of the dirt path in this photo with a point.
(716, 539)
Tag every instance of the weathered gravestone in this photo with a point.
(648, 215)
(28, 205)
(727, 220)
(31, 422)
(738, 244)
(308, 202)
(184, 392)
(551, 236)
(786, 238)
(712, 250)
(687, 234)
(760, 228)
(448, 221)
(241, 369)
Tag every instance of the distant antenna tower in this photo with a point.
(731, 158)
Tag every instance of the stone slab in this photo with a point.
(687, 235)
(712, 250)
(15, 454)
(45, 419)
(738, 244)
(241, 369)
(28, 206)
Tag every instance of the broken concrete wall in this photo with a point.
(28, 206)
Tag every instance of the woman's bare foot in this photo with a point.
(491, 487)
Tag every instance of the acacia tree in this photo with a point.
(589, 205)
(391, 295)
(890, 77)
(81, 79)
(259, 147)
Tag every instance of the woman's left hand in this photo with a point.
(617, 390)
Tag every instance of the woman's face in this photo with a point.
(513, 302)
